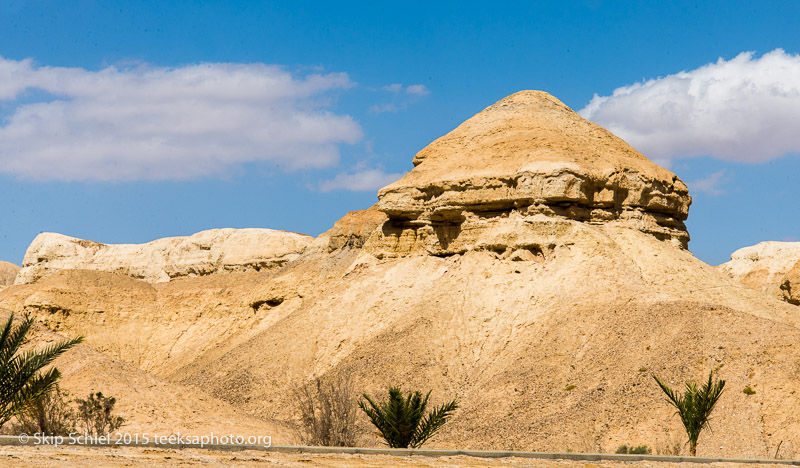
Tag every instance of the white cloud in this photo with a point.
(360, 181)
(418, 89)
(393, 88)
(152, 123)
(745, 109)
(711, 184)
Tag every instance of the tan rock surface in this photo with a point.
(8, 271)
(204, 253)
(505, 335)
(505, 309)
(770, 267)
(150, 404)
(355, 228)
(528, 155)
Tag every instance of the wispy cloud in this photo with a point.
(393, 88)
(365, 180)
(711, 184)
(745, 109)
(153, 123)
(403, 97)
(418, 89)
(381, 108)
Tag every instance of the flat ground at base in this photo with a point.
(79, 457)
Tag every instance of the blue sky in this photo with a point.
(111, 128)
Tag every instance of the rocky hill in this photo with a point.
(204, 253)
(531, 264)
(770, 267)
(529, 156)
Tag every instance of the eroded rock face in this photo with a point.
(355, 228)
(8, 271)
(771, 267)
(204, 253)
(526, 161)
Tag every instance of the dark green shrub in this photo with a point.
(402, 422)
(640, 450)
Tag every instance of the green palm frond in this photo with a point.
(433, 422)
(694, 407)
(22, 378)
(402, 422)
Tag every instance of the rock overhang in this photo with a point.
(529, 155)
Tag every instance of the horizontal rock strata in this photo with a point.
(529, 158)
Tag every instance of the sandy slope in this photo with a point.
(148, 403)
(506, 337)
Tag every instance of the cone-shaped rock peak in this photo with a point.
(529, 155)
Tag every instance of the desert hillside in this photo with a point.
(531, 264)
(141, 396)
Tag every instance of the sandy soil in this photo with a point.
(79, 457)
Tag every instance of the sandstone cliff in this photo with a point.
(204, 253)
(770, 267)
(518, 169)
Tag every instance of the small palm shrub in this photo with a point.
(402, 422)
(694, 406)
(95, 415)
(22, 378)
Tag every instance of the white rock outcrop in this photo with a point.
(204, 253)
(771, 267)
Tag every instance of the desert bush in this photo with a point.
(22, 378)
(95, 415)
(694, 406)
(638, 450)
(402, 422)
(328, 410)
(748, 391)
(49, 415)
